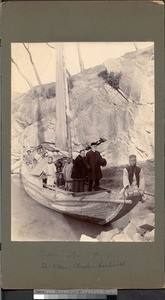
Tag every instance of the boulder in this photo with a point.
(136, 211)
(86, 238)
(150, 236)
(141, 231)
(150, 201)
(107, 236)
(148, 219)
(122, 238)
(137, 237)
(130, 230)
(146, 227)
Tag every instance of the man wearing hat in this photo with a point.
(133, 178)
(94, 161)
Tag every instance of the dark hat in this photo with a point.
(93, 144)
(81, 150)
(132, 156)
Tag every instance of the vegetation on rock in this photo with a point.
(111, 78)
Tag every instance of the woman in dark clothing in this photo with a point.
(79, 172)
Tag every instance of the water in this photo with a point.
(32, 221)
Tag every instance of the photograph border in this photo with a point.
(145, 54)
(56, 22)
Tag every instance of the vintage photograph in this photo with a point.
(82, 141)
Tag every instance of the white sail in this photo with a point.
(61, 96)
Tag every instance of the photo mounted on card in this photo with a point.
(82, 137)
(82, 143)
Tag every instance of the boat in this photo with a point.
(100, 207)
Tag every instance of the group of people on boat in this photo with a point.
(75, 173)
(84, 172)
(87, 166)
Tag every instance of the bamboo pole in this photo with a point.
(22, 74)
(152, 195)
(33, 64)
(96, 201)
(81, 63)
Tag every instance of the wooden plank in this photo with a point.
(95, 201)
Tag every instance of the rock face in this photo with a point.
(134, 233)
(85, 238)
(96, 109)
(139, 227)
(150, 236)
(107, 236)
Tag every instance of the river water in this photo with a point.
(32, 221)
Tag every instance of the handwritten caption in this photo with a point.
(74, 260)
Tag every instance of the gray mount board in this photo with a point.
(28, 265)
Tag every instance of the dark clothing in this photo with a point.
(60, 179)
(94, 161)
(131, 171)
(78, 185)
(96, 185)
(44, 180)
(79, 173)
(79, 170)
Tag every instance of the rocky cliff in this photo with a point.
(97, 110)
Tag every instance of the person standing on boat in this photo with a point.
(50, 171)
(39, 154)
(60, 180)
(67, 171)
(79, 172)
(29, 159)
(133, 178)
(60, 177)
(94, 160)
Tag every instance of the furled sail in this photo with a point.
(61, 140)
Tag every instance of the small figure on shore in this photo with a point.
(50, 171)
(94, 161)
(133, 178)
(67, 171)
(79, 172)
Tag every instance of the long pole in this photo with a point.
(33, 64)
(68, 121)
(80, 58)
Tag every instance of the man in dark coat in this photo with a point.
(79, 172)
(94, 160)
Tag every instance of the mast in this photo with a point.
(63, 127)
(68, 119)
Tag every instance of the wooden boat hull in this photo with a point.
(99, 208)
